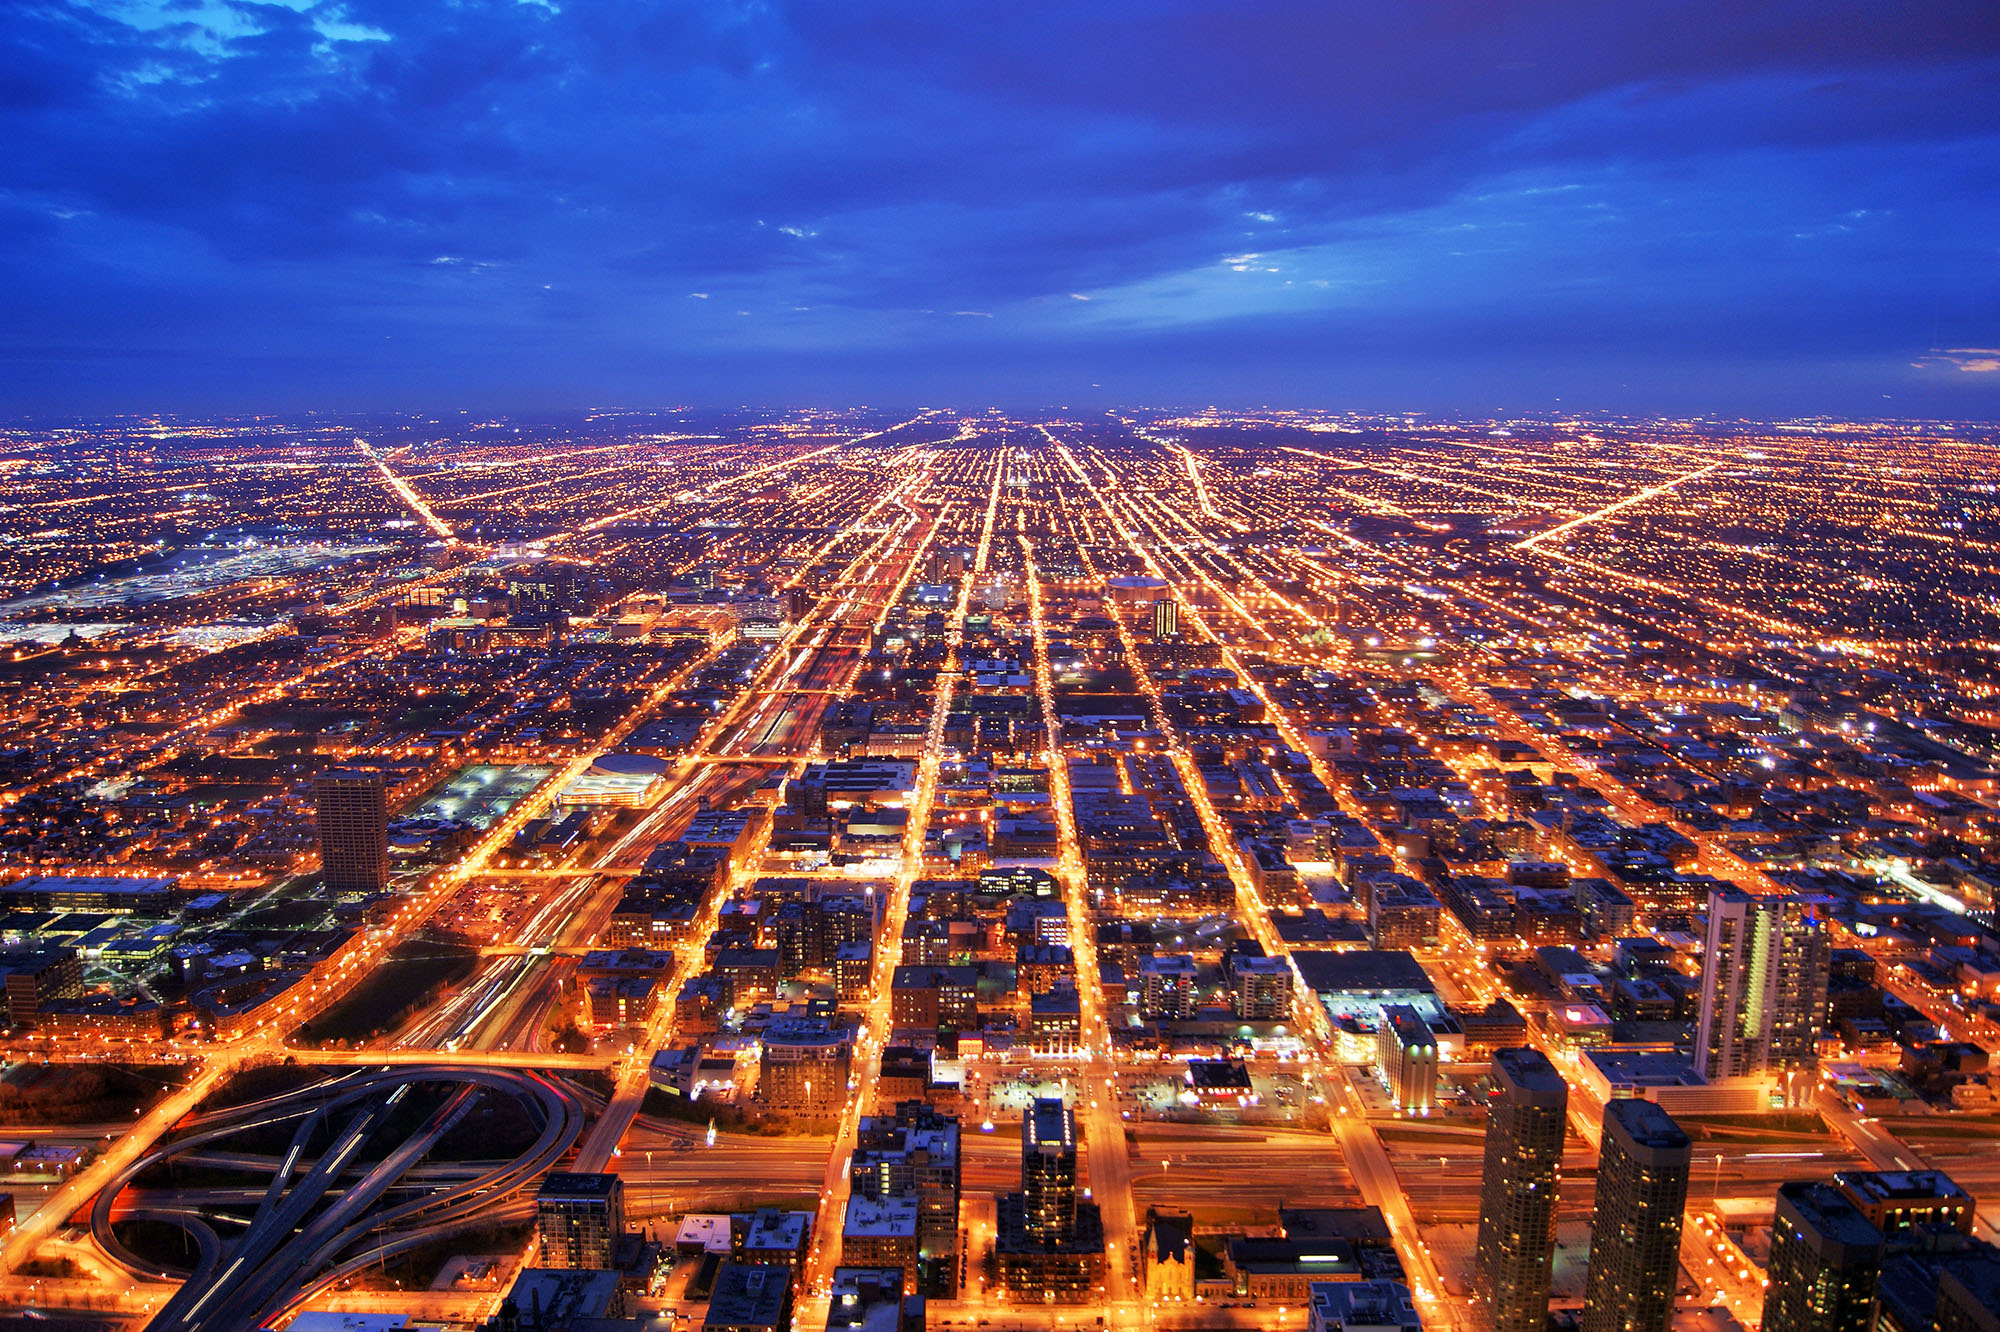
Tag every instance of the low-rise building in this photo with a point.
(1362, 1306)
(1166, 1258)
(881, 1232)
(804, 1067)
(749, 1297)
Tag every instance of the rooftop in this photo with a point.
(1530, 1072)
(750, 1295)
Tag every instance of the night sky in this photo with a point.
(1504, 206)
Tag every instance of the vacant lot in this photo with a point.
(79, 1094)
(415, 972)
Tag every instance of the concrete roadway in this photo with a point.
(1586, 1115)
(219, 1064)
(835, 1184)
(602, 1145)
(1360, 1148)
(1108, 1161)
(1223, 1168)
(669, 1167)
(274, 1223)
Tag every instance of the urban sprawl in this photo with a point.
(860, 871)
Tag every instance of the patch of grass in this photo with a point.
(158, 1242)
(57, 1268)
(1916, 1131)
(36, 1094)
(1806, 1122)
(498, 1128)
(256, 1084)
(294, 915)
(418, 1267)
(727, 1118)
(595, 1081)
(415, 972)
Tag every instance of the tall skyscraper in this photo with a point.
(1763, 988)
(1825, 1256)
(1517, 1196)
(579, 1219)
(1048, 1171)
(351, 812)
(1872, 1250)
(1635, 1231)
(1049, 1246)
(1940, 1287)
(1407, 1054)
(1166, 619)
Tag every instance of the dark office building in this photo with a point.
(579, 1219)
(749, 1297)
(1946, 1284)
(31, 978)
(1872, 1252)
(1635, 1231)
(915, 1153)
(1517, 1194)
(351, 811)
(1824, 1260)
(1969, 1298)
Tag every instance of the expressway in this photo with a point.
(408, 494)
(504, 1003)
(332, 980)
(317, 1206)
(1362, 1146)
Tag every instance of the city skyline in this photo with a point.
(842, 869)
(880, 666)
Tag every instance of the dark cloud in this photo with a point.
(432, 200)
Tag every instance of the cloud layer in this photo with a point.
(274, 203)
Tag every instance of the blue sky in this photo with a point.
(1774, 208)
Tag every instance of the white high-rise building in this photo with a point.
(1763, 985)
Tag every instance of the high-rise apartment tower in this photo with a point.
(1635, 1231)
(1517, 1196)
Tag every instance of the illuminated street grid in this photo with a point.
(1103, 708)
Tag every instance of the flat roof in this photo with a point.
(1646, 1068)
(1531, 1072)
(1646, 1125)
(1833, 1223)
(578, 1185)
(1408, 1024)
(1363, 969)
(770, 1228)
(893, 1217)
(108, 884)
(749, 1294)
